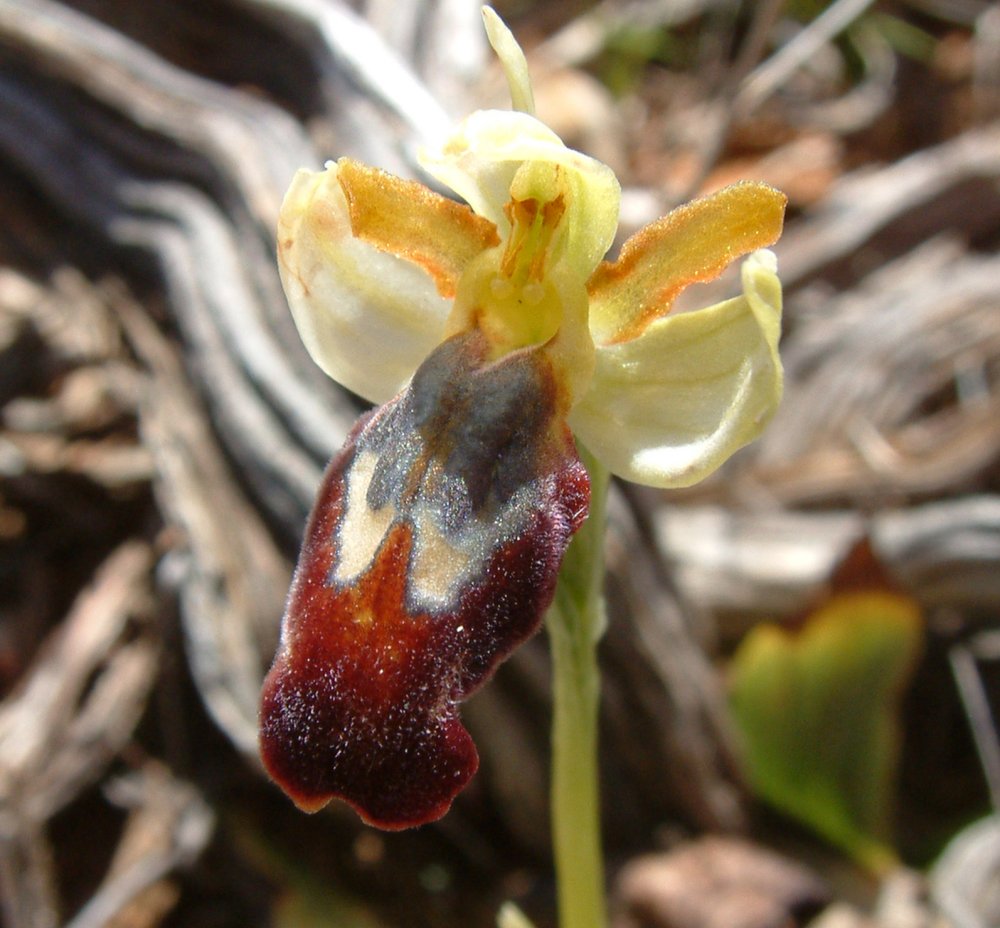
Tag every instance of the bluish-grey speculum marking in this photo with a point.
(458, 451)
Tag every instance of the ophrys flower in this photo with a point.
(491, 333)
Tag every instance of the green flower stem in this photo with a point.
(575, 624)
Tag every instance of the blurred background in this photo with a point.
(801, 666)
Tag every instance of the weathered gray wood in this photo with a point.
(74, 711)
(945, 553)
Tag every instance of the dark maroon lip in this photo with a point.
(431, 554)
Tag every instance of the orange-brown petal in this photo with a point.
(409, 220)
(692, 243)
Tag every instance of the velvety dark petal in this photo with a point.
(432, 552)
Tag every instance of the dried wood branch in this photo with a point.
(760, 563)
(214, 252)
(232, 578)
(168, 827)
(929, 192)
(891, 385)
(75, 710)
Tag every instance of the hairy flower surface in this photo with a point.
(491, 332)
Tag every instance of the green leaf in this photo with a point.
(818, 710)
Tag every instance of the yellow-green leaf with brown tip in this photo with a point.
(818, 711)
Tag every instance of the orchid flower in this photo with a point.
(495, 336)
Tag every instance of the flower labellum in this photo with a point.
(493, 334)
(432, 552)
